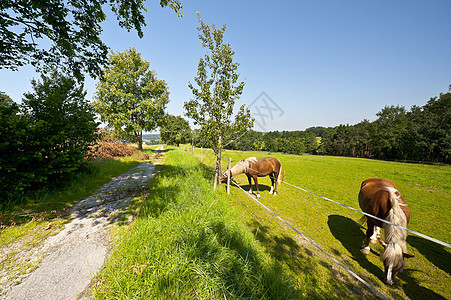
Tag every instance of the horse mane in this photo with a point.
(393, 256)
(396, 216)
(242, 166)
(395, 237)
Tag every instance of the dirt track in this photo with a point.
(74, 255)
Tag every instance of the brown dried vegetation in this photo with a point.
(109, 147)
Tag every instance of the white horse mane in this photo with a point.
(395, 237)
(396, 216)
(242, 166)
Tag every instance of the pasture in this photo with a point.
(426, 189)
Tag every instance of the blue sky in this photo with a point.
(319, 63)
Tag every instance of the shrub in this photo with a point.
(64, 127)
(47, 138)
(14, 174)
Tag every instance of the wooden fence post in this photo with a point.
(228, 175)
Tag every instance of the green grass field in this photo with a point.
(426, 189)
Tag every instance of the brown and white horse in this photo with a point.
(257, 167)
(380, 198)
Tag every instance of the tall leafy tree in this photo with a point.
(72, 27)
(391, 121)
(217, 91)
(175, 130)
(129, 96)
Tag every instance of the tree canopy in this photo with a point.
(217, 91)
(129, 95)
(72, 28)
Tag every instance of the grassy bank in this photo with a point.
(187, 242)
(426, 188)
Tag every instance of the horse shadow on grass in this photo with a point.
(261, 187)
(348, 232)
(433, 252)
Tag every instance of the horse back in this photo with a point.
(374, 198)
(264, 166)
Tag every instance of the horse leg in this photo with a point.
(276, 177)
(272, 183)
(256, 186)
(250, 184)
(365, 248)
(376, 234)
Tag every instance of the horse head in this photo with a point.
(393, 259)
(223, 176)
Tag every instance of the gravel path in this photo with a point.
(76, 254)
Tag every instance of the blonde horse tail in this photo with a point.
(281, 176)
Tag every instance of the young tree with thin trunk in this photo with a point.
(217, 91)
(129, 96)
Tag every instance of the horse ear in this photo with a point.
(406, 255)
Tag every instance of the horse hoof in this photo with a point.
(389, 282)
(365, 250)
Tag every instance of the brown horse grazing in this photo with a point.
(257, 167)
(380, 198)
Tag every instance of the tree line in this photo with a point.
(421, 134)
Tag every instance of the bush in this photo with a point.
(14, 174)
(47, 138)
